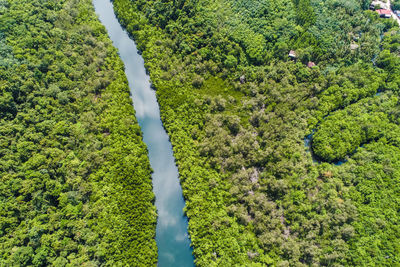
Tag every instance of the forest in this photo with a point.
(284, 161)
(75, 184)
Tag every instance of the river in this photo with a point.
(171, 233)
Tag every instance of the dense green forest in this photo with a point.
(75, 186)
(283, 161)
(280, 163)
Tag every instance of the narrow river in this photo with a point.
(171, 234)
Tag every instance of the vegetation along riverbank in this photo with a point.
(241, 85)
(75, 184)
(237, 108)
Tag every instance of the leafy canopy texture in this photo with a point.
(75, 185)
(281, 162)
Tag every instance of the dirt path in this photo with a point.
(393, 14)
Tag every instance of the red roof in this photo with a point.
(384, 12)
(311, 64)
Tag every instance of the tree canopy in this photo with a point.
(75, 184)
(238, 111)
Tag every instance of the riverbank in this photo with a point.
(171, 232)
(75, 184)
(252, 190)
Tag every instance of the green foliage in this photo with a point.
(372, 176)
(230, 61)
(73, 163)
(305, 15)
(395, 4)
(75, 184)
(255, 195)
(345, 130)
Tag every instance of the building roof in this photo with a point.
(384, 12)
(311, 64)
(292, 53)
(242, 79)
(354, 46)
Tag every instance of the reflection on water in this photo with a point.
(172, 238)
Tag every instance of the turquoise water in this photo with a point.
(171, 233)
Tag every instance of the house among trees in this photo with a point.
(354, 46)
(292, 54)
(384, 13)
(242, 79)
(311, 64)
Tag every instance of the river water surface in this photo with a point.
(171, 234)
